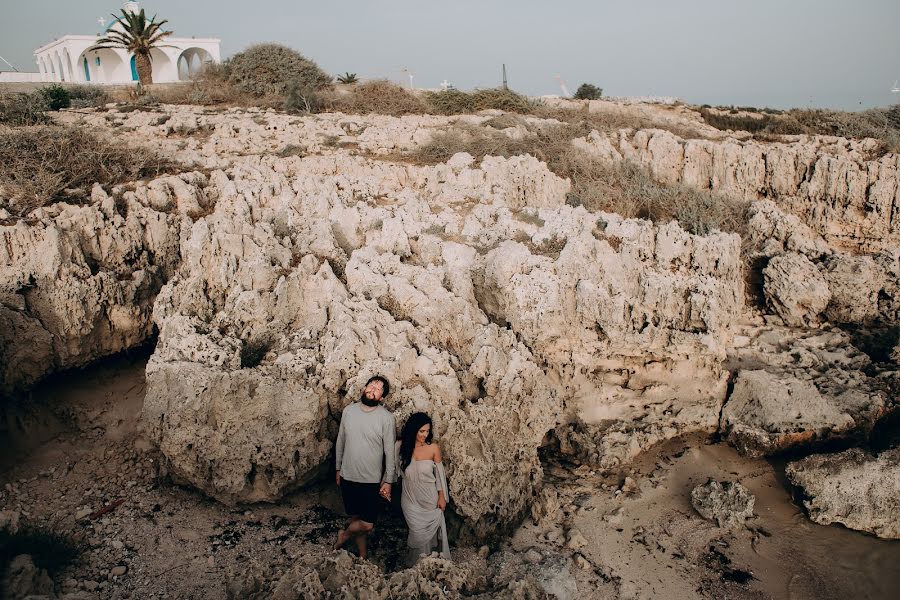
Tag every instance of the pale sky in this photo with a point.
(779, 53)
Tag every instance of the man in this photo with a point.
(366, 437)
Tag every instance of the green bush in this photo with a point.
(267, 69)
(88, 96)
(302, 99)
(588, 91)
(23, 109)
(56, 96)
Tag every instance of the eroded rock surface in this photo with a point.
(474, 288)
(798, 388)
(853, 488)
(833, 184)
(78, 282)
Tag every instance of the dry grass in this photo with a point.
(607, 122)
(882, 124)
(44, 164)
(622, 188)
(379, 97)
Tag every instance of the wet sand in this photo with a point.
(76, 446)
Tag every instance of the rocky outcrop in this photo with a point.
(729, 504)
(797, 388)
(78, 282)
(853, 488)
(474, 288)
(833, 184)
(795, 290)
(805, 281)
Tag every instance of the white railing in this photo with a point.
(19, 77)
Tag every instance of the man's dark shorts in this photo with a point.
(361, 499)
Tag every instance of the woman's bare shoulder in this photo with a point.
(435, 451)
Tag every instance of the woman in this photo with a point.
(425, 491)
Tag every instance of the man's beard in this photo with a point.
(368, 402)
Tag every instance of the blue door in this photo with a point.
(87, 71)
(134, 75)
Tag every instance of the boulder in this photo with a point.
(854, 488)
(795, 290)
(729, 504)
(799, 389)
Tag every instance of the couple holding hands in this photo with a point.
(367, 459)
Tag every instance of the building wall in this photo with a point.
(63, 60)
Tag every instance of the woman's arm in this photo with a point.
(441, 482)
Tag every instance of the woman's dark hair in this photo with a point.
(414, 423)
(384, 382)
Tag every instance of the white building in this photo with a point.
(69, 58)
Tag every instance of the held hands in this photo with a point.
(442, 504)
(385, 491)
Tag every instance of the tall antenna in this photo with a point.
(505, 84)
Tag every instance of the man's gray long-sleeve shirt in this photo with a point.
(364, 440)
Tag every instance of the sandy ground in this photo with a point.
(78, 449)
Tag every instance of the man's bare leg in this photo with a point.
(360, 530)
(361, 544)
(344, 535)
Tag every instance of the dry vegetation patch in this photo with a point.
(44, 164)
(379, 97)
(881, 123)
(621, 187)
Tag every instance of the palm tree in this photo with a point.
(138, 36)
(347, 78)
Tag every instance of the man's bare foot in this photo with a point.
(342, 539)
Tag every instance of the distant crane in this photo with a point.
(563, 86)
(896, 88)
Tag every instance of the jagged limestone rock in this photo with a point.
(854, 488)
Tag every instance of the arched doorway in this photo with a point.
(87, 68)
(107, 66)
(134, 73)
(191, 63)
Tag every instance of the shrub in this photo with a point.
(88, 96)
(621, 187)
(266, 69)
(500, 99)
(302, 99)
(23, 109)
(380, 97)
(450, 102)
(48, 163)
(56, 96)
(588, 91)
